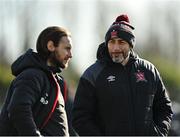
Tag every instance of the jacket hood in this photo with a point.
(103, 55)
(29, 59)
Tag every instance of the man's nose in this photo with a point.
(70, 54)
(117, 47)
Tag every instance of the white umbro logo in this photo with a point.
(111, 78)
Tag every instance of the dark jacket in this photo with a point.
(34, 103)
(112, 99)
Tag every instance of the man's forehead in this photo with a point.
(66, 39)
(116, 38)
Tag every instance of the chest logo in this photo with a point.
(44, 99)
(140, 77)
(111, 78)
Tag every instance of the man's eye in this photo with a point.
(122, 42)
(112, 41)
(68, 48)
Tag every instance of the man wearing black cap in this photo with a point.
(121, 94)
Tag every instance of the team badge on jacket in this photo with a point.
(140, 76)
(44, 99)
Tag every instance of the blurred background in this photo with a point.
(157, 29)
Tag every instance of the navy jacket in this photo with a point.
(112, 99)
(34, 104)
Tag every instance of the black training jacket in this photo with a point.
(34, 103)
(112, 99)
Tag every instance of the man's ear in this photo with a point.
(50, 46)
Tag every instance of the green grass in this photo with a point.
(5, 75)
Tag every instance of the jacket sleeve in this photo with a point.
(83, 119)
(162, 110)
(26, 91)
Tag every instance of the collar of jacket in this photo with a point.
(55, 70)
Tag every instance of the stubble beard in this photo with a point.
(120, 58)
(53, 57)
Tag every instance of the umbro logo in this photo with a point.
(111, 78)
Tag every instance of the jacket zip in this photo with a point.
(55, 102)
(132, 116)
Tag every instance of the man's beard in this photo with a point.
(120, 58)
(53, 58)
